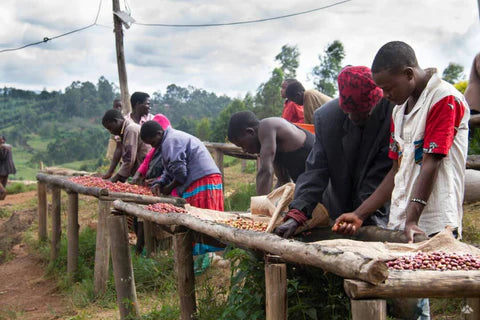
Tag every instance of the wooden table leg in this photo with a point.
(182, 244)
(149, 237)
(102, 249)
(72, 234)
(42, 210)
(474, 304)
(56, 223)
(122, 267)
(275, 289)
(369, 309)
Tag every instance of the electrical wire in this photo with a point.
(46, 39)
(238, 22)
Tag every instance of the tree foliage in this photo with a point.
(220, 127)
(268, 101)
(288, 59)
(453, 73)
(326, 73)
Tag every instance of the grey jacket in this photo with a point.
(347, 163)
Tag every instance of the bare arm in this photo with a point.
(117, 155)
(422, 190)
(348, 223)
(268, 143)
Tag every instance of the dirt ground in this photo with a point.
(25, 293)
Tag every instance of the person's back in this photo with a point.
(182, 151)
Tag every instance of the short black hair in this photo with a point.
(289, 81)
(138, 97)
(149, 129)
(239, 122)
(394, 56)
(293, 88)
(111, 115)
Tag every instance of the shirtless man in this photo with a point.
(282, 147)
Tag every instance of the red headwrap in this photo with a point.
(358, 92)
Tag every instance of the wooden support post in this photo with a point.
(218, 157)
(243, 165)
(122, 69)
(369, 309)
(182, 244)
(122, 267)
(102, 249)
(149, 237)
(275, 288)
(72, 234)
(42, 210)
(56, 223)
(474, 304)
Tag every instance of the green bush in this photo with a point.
(240, 199)
(18, 187)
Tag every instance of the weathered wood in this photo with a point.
(122, 267)
(56, 223)
(218, 157)
(418, 284)
(275, 290)
(369, 309)
(474, 304)
(473, 162)
(64, 183)
(149, 237)
(42, 210)
(243, 165)
(182, 243)
(229, 149)
(472, 186)
(102, 249)
(142, 199)
(72, 233)
(353, 265)
(121, 66)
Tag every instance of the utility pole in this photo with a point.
(122, 70)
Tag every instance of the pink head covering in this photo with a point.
(162, 120)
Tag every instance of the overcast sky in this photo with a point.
(228, 60)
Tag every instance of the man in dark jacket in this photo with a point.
(350, 156)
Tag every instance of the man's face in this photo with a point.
(117, 104)
(397, 87)
(359, 118)
(114, 127)
(248, 141)
(144, 107)
(283, 89)
(156, 140)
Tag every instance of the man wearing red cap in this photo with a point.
(350, 156)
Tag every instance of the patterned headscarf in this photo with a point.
(358, 92)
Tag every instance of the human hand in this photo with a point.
(347, 223)
(287, 229)
(156, 190)
(138, 179)
(412, 229)
(107, 175)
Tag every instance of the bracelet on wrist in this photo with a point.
(419, 201)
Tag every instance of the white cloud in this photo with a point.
(229, 59)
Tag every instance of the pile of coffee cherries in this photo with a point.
(245, 224)
(165, 208)
(439, 261)
(97, 182)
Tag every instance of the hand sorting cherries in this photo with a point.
(165, 208)
(89, 181)
(439, 261)
(245, 224)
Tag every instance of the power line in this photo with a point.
(238, 22)
(46, 39)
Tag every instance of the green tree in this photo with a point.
(220, 126)
(453, 73)
(203, 129)
(288, 59)
(326, 73)
(268, 101)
